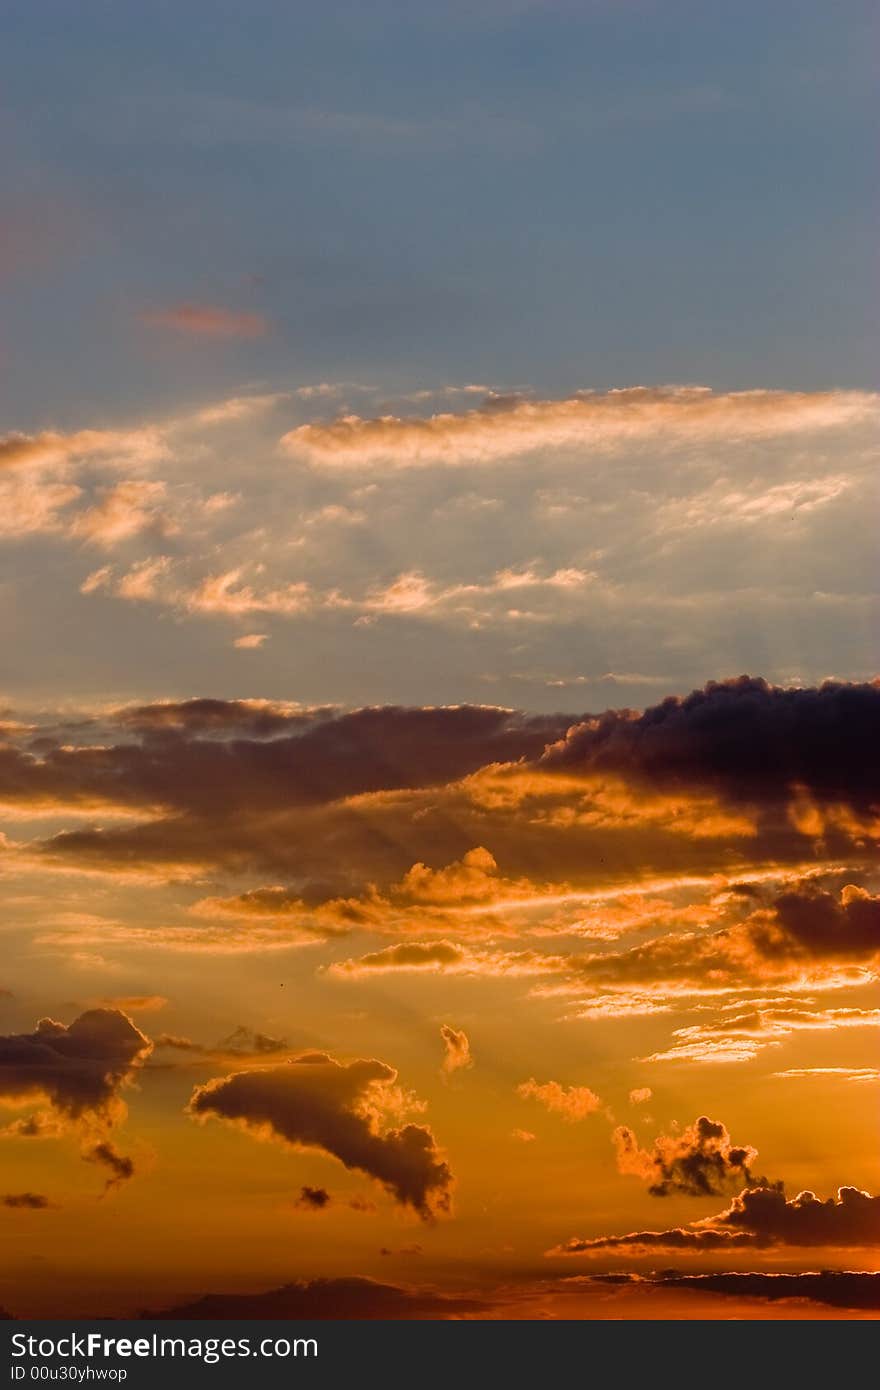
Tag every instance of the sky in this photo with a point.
(438, 501)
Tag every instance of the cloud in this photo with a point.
(840, 1288)
(849, 1220)
(458, 897)
(741, 1037)
(804, 929)
(123, 511)
(571, 1102)
(351, 1299)
(121, 1167)
(313, 1198)
(458, 1055)
(759, 1217)
(640, 1094)
(671, 1240)
(203, 716)
(341, 1109)
(454, 823)
(859, 1075)
(821, 925)
(207, 321)
(322, 758)
(505, 428)
(226, 595)
(251, 641)
(31, 506)
(242, 1042)
(744, 738)
(79, 1070)
(50, 449)
(445, 957)
(26, 1201)
(701, 1161)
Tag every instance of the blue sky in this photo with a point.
(556, 194)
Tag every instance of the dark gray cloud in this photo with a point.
(759, 1217)
(822, 925)
(313, 1198)
(78, 1069)
(839, 1288)
(26, 1201)
(323, 759)
(701, 1161)
(744, 738)
(121, 1167)
(313, 1101)
(223, 718)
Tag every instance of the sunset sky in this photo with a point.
(439, 727)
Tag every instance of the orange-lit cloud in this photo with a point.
(504, 428)
(207, 321)
(571, 1102)
(457, 1055)
(700, 1161)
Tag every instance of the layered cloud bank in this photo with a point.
(669, 897)
(759, 1217)
(615, 542)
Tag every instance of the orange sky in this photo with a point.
(439, 998)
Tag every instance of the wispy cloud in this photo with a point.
(207, 321)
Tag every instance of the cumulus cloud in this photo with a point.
(571, 1102)
(849, 1220)
(78, 1072)
(758, 1217)
(639, 1094)
(744, 737)
(315, 1102)
(458, 1056)
(78, 1069)
(701, 1161)
(506, 427)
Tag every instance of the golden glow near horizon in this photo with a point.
(457, 1069)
